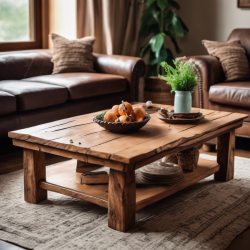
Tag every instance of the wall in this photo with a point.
(210, 19)
(62, 18)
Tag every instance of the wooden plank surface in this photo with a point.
(151, 194)
(63, 179)
(154, 138)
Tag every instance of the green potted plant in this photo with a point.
(159, 23)
(183, 81)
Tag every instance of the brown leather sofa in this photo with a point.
(216, 94)
(31, 95)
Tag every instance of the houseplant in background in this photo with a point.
(183, 81)
(159, 23)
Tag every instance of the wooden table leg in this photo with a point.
(225, 156)
(121, 202)
(34, 171)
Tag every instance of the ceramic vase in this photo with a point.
(182, 102)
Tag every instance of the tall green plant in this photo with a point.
(160, 21)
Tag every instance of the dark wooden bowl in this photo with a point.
(120, 127)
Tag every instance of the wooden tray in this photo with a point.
(179, 120)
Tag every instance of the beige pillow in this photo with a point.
(72, 55)
(232, 57)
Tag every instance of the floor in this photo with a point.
(13, 162)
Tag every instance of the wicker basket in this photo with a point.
(120, 127)
(157, 91)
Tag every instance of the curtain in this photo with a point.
(114, 23)
(45, 24)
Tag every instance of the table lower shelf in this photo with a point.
(62, 178)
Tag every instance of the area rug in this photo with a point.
(207, 215)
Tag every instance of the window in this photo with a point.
(20, 24)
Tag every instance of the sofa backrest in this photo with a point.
(244, 36)
(17, 65)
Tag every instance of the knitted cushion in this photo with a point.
(232, 57)
(72, 55)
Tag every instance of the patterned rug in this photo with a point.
(207, 215)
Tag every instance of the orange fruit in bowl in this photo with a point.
(115, 110)
(110, 116)
(138, 113)
(125, 108)
(125, 118)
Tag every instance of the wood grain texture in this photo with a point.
(147, 195)
(152, 139)
(62, 178)
(173, 148)
(34, 171)
(225, 156)
(83, 167)
(122, 200)
(86, 158)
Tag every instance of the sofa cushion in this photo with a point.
(7, 103)
(33, 95)
(232, 57)
(232, 94)
(83, 85)
(72, 55)
(16, 65)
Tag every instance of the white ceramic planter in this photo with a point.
(182, 102)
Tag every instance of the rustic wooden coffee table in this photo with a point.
(123, 154)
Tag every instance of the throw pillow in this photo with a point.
(72, 55)
(232, 57)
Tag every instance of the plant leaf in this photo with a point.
(161, 57)
(174, 4)
(163, 4)
(170, 57)
(144, 50)
(156, 42)
(185, 28)
(177, 48)
(182, 76)
(149, 2)
(168, 19)
(177, 26)
(149, 22)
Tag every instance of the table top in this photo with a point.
(154, 138)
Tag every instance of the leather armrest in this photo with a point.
(129, 67)
(211, 73)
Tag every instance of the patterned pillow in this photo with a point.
(72, 55)
(232, 57)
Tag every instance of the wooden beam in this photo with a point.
(81, 157)
(73, 193)
(34, 171)
(122, 200)
(225, 156)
